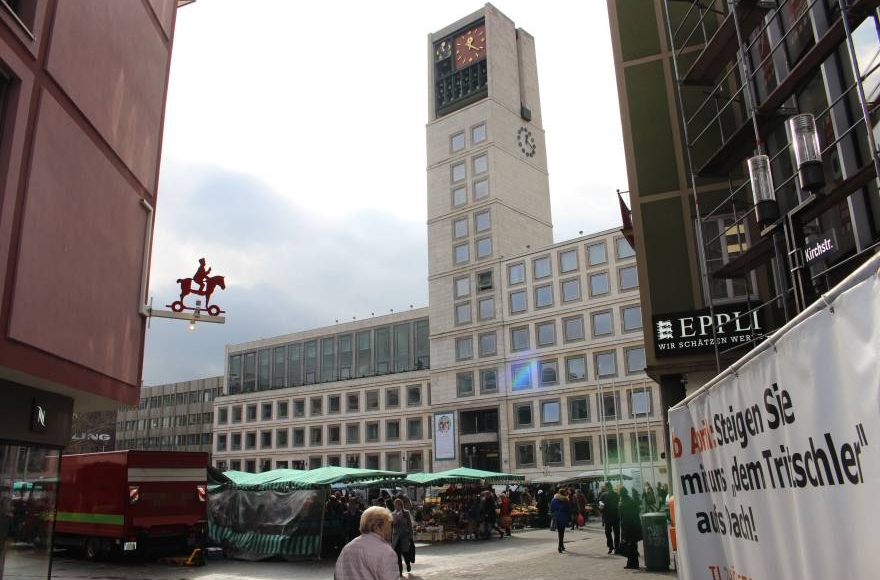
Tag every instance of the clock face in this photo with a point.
(470, 46)
(526, 142)
(443, 49)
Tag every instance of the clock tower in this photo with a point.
(488, 200)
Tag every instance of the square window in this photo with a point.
(414, 463)
(516, 273)
(464, 383)
(519, 338)
(484, 247)
(266, 411)
(553, 452)
(629, 278)
(578, 409)
(333, 404)
(478, 133)
(484, 281)
(606, 364)
(551, 413)
(576, 368)
(460, 228)
(459, 196)
(458, 172)
(334, 461)
(463, 313)
(462, 253)
(413, 429)
(541, 267)
(482, 221)
(481, 189)
(462, 287)
(457, 142)
(596, 254)
(372, 400)
(353, 433)
(392, 398)
(223, 415)
(517, 301)
(581, 451)
(299, 407)
(372, 432)
(265, 439)
(353, 460)
(635, 359)
(599, 284)
(544, 296)
(235, 444)
(371, 461)
(568, 261)
(316, 404)
(413, 395)
(316, 435)
(573, 328)
(521, 376)
(353, 403)
(281, 409)
(486, 307)
(601, 323)
(525, 454)
(299, 437)
(250, 413)
(221, 442)
(488, 380)
(546, 333)
(464, 348)
(548, 372)
(523, 415)
(640, 403)
(481, 164)
(571, 289)
(644, 447)
(609, 404)
(250, 440)
(334, 435)
(488, 344)
(624, 249)
(632, 318)
(392, 430)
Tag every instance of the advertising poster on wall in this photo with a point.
(776, 463)
(444, 436)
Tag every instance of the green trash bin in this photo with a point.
(655, 541)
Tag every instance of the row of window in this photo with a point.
(394, 348)
(355, 433)
(461, 252)
(166, 422)
(582, 450)
(578, 407)
(284, 409)
(545, 372)
(166, 442)
(477, 134)
(394, 461)
(568, 260)
(458, 177)
(171, 399)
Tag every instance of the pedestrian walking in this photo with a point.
(560, 510)
(631, 527)
(580, 502)
(489, 516)
(505, 511)
(369, 556)
(402, 536)
(608, 505)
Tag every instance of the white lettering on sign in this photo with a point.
(693, 326)
(91, 436)
(820, 248)
(41, 416)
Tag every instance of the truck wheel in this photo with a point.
(92, 551)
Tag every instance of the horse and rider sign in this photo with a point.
(200, 284)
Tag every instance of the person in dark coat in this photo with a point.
(560, 509)
(631, 527)
(351, 520)
(402, 536)
(488, 516)
(608, 504)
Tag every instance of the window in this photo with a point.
(545, 333)
(629, 278)
(516, 273)
(281, 408)
(299, 437)
(413, 429)
(624, 249)
(392, 461)
(578, 409)
(460, 228)
(488, 380)
(571, 289)
(581, 451)
(314, 461)
(353, 433)
(481, 164)
(482, 221)
(462, 287)
(568, 261)
(372, 400)
(371, 461)
(458, 172)
(596, 254)
(235, 443)
(250, 440)
(488, 345)
(635, 359)
(315, 435)
(334, 436)
(299, 407)
(413, 395)
(609, 405)
(392, 430)
(486, 308)
(643, 446)
(481, 189)
(222, 415)
(601, 323)
(521, 376)
(415, 464)
(606, 364)
(463, 313)
(281, 438)
(334, 404)
(553, 452)
(576, 368)
(281, 464)
(459, 196)
(599, 284)
(573, 328)
(632, 318)
(544, 296)
(517, 301)
(462, 253)
(266, 411)
(727, 240)
(353, 402)
(484, 281)
(525, 454)
(478, 133)
(640, 402)
(519, 338)
(523, 414)
(250, 413)
(551, 413)
(548, 372)
(250, 465)
(279, 355)
(316, 405)
(464, 348)
(464, 384)
(221, 442)
(392, 398)
(457, 142)
(484, 247)
(265, 439)
(613, 453)
(541, 267)
(372, 431)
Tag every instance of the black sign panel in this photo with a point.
(692, 332)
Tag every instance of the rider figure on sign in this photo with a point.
(201, 274)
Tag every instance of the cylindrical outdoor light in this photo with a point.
(766, 209)
(805, 142)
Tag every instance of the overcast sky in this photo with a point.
(294, 159)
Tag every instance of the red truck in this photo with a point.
(140, 502)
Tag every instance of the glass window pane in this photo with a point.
(465, 384)
(521, 376)
(568, 261)
(550, 412)
(481, 164)
(482, 221)
(517, 301)
(462, 287)
(578, 409)
(463, 313)
(481, 189)
(460, 228)
(574, 328)
(459, 172)
(624, 250)
(464, 348)
(543, 296)
(541, 267)
(599, 284)
(457, 142)
(462, 254)
(635, 360)
(516, 273)
(548, 372)
(524, 415)
(596, 254)
(519, 338)
(459, 196)
(488, 380)
(576, 368)
(629, 278)
(571, 290)
(487, 308)
(546, 332)
(478, 133)
(484, 247)
(488, 344)
(601, 323)
(606, 364)
(632, 317)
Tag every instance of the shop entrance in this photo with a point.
(485, 456)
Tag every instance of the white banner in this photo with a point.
(776, 468)
(444, 436)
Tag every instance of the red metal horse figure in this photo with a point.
(212, 282)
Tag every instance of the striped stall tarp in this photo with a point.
(259, 545)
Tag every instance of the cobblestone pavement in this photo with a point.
(528, 554)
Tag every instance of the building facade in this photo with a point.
(82, 98)
(172, 417)
(708, 92)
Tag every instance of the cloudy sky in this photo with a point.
(294, 159)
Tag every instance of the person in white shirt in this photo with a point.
(369, 556)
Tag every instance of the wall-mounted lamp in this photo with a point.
(805, 142)
(766, 210)
(196, 315)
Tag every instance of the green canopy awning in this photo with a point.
(595, 475)
(464, 475)
(287, 479)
